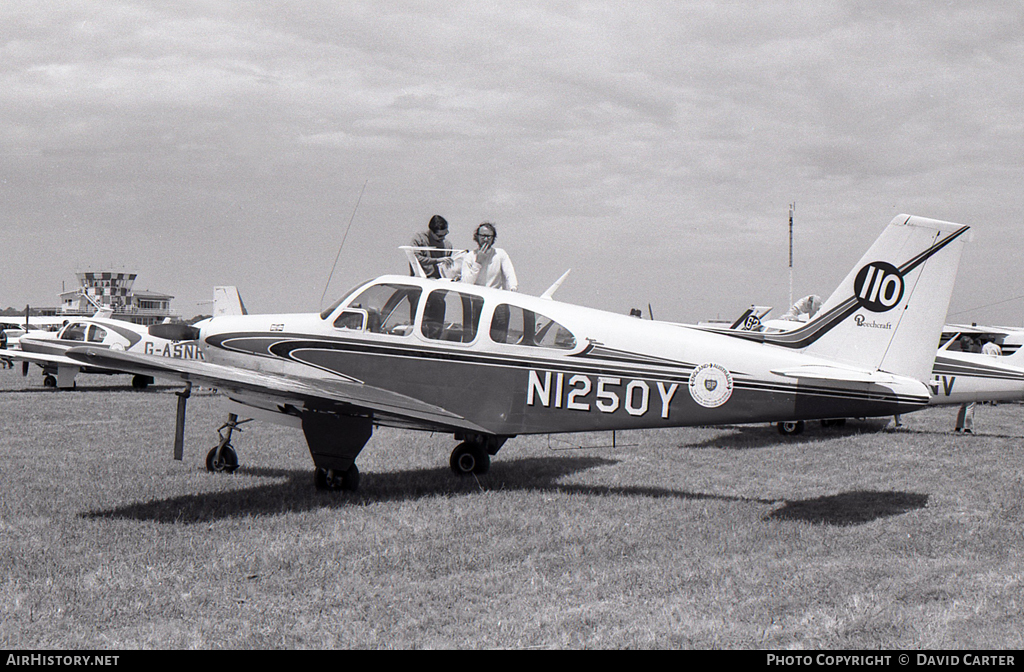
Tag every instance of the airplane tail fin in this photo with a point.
(227, 301)
(887, 314)
(751, 318)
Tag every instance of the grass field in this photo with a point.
(855, 538)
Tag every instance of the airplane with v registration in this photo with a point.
(486, 365)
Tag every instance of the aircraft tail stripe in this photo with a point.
(818, 327)
(956, 368)
(928, 253)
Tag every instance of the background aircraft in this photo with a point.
(486, 365)
(49, 350)
(1009, 339)
(962, 377)
(14, 328)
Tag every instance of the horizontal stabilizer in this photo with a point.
(837, 373)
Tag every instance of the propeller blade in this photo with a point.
(175, 331)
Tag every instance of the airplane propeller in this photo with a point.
(178, 331)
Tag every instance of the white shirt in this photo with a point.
(492, 268)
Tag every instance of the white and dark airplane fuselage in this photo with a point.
(619, 373)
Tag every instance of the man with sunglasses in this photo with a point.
(434, 262)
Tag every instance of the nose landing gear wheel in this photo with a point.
(469, 458)
(335, 479)
(226, 461)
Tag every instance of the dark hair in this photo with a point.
(490, 226)
(437, 222)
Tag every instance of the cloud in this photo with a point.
(678, 128)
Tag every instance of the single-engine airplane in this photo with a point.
(486, 365)
(1009, 339)
(49, 349)
(962, 377)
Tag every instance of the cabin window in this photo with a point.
(97, 334)
(389, 308)
(451, 316)
(517, 326)
(351, 319)
(74, 332)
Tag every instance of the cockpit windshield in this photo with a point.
(74, 332)
(326, 312)
(388, 308)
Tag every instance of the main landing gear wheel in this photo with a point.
(470, 458)
(141, 382)
(791, 427)
(49, 381)
(336, 479)
(222, 459)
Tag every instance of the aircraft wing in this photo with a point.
(40, 358)
(342, 397)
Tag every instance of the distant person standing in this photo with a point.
(991, 348)
(965, 416)
(436, 236)
(809, 306)
(488, 265)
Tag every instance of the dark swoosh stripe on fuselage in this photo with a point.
(464, 382)
(953, 367)
(285, 345)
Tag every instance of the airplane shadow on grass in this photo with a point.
(755, 437)
(91, 389)
(750, 437)
(294, 493)
(850, 508)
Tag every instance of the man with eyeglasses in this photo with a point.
(488, 265)
(436, 237)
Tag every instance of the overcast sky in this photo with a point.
(652, 147)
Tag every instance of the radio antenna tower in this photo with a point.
(792, 209)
